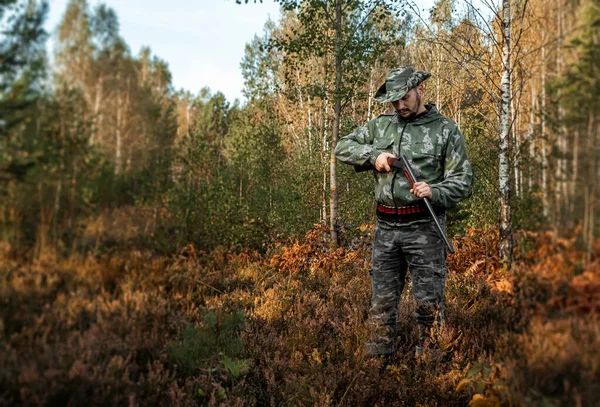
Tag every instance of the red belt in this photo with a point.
(401, 210)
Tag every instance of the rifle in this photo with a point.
(403, 164)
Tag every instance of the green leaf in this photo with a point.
(477, 367)
(232, 367)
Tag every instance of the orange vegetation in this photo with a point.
(287, 328)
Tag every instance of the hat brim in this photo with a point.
(383, 96)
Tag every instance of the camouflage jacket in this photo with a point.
(432, 143)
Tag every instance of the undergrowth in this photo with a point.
(287, 327)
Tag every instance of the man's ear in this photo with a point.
(420, 89)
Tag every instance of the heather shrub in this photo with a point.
(128, 327)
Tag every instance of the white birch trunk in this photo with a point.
(515, 142)
(333, 191)
(530, 138)
(323, 159)
(505, 244)
(561, 164)
(543, 143)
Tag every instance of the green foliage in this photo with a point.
(260, 66)
(113, 132)
(369, 30)
(62, 180)
(22, 69)
(64, 154)
(481, 209)
(574, 113)
(219, 337)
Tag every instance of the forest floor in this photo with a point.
(119, 325)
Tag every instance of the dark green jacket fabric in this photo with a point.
(432, 143)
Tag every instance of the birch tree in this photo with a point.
(486, 55)
(340, 34)
(506, 243)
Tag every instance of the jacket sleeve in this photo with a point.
(458, 174)
(356, 148)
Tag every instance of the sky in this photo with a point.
(203, 41)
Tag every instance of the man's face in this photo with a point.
(410, 104)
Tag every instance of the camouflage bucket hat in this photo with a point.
(398, 82)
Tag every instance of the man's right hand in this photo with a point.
(381, 163)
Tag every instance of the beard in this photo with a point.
(408, 114)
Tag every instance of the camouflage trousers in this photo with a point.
(417, 248)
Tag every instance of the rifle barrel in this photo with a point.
(404, 165)
(412, 179)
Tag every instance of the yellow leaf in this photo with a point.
(463, 383)
(479, 400)
(315, 355)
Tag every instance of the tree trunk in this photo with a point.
(531, 143)
(310, 128)
(333, 202)
(118, 141)
(97, 115)
(573, 183)
(370, 97)
(590, 230)
(438, 99)
(514, 130)
(594, 179)
(587, 185)
(43, 226)
(301, 105)
(506, 243)
(324, 166)
(187, 118)
(561, 164)
(543, 139)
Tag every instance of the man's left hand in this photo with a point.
(421, 190)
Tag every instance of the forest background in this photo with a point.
(215, 229)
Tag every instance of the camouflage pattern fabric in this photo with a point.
(432, 143)
(435, 148)
(421, 250)
(398, 82)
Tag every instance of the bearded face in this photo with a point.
(410, 105)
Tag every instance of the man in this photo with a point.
(405, 235)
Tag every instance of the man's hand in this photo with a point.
(381, 163)
(420, 189)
